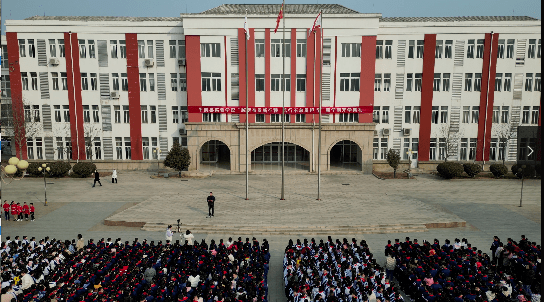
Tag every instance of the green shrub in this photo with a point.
(59, 169)
(449, 170)
(498, 170)
(529, 171)
(33, 169)
(83, 169)
(472, 169)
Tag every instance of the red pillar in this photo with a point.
(242, 70)
(251, 71)
(491, 95)
(368, 72)
(427, 97)
(310, 64)
(483, 99)
(133, 77)
(267, 72)
(16, 96)
(293, 72)
(194, 76)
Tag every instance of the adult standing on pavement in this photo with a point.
(96, 178)
(80, 243)
(114, 176)
(211, 204)
(5, 207)
(169, 234)
(189, 237)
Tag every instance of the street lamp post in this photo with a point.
(522, 171)
(44, 168)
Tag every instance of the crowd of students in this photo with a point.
(334, 271)
(17, 212)
(459, 272)
(55, 270)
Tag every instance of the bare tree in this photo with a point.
(91, 131)
(64, 149)
(451, 139)
(25, 125)
(505, 133)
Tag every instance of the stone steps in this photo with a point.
(292, 230)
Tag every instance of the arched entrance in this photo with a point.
(214, 155)
(346, 155)
(268, 157)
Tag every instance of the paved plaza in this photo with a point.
(352, 206)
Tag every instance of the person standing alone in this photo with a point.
(96, 178)
(114, 176)
(211, 205)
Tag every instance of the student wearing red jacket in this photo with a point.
(5, 207)
(26, 210)
(19, 212)
(32, 210)
(14, 212)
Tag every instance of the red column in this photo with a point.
(194, 76)
(368, 72)
(310, 58)
(335, 64)
(251, 71)
(427, 97)
(491, 95)
(16, 96)
(133, 77)
(74, 96)
(242, 70)
(318, 69)
(293, 71)
(226, 81)
(267, 72)
(483, 99)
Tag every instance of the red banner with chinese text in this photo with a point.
(278, 110)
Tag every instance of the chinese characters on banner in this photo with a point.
(278, 110)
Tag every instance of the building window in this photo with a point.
(301, 82)
(444, 114)
(416, 114)
(183, 82)
(175, 114)
(4, 57)
(478, 82)
(538, 82)
(409, 81)
(141, 49)
(385, 115)
(143, 111)
(211, 117)
(123, 49)
(259, 48)
(413, 147)
(60, 148)
(535, 116)
(30, 148)
(389, 49)
(376, 115)
(411, 49)
(39, 148)
(300, 118)
(526, 115)
(28, 113)
(52, 48)
(55, 79)
(378, 82)
(493, 149)
(153, 113)
(496, 114)
(150, 48)
(407, 114)
(480, 49)
(348, 118)
(529, 82)
(94, 82)
(532, 49)
(384, 148)
(285, 82)
(61, 48)
(505, 114)
(64, 80)
(432, 149)
(500, 49)
(115, 80)
(470, 49)
(437, 82)
(86, 114)
(472, 150)
(145, 146)
(212, 50)
(5, 86)
(439, 49)
(151, 82)
(349, 82)
(418, 82)
(143, 82)
(174, 81)
(301, 48)
(34, 80)
(508, 82)
(113, 49)
(448, 53)
(211, 81)
(128, 153)
(173, 49)
(92, 51)
(84, 81)
(446, 82)
(259, 82)
(24, 80)
(97, 148)
(442, 149)
(379, 49)
(124, 82)
(117, 113)
(420, 48)
(31, 48)
(376, 148)
(498, 82)
(475, 114)
(126, 114)
(463, 152)
(277, 47)
(259, 118)
(66, 113)
(82, 49)
(96, 116)
(510, 48)
(155, 147)
(435, 113)
(468, 81)
(466, 114)
(56, 108)
(387, 82)
(22, 48)
(353, 50)
(119, 147)
(184, 115)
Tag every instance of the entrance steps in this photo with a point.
(231, 230)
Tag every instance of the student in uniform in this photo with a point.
(26, 211)
(32, 210)
(5, 207)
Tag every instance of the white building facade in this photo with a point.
(118, 90)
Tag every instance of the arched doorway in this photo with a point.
(215, 155)
(346, 155)
(269, 157)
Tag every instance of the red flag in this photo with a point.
(317, 24)
(280, 16)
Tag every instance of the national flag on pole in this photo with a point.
(246, 29)
(317, 24)
(280, 16)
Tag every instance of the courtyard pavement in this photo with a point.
(488, 207)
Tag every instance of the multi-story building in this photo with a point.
(118, 89)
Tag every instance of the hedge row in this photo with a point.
(61, 168)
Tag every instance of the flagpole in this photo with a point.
(284, 84)
(320, 104)
(247, 112)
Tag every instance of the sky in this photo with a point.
(21, 9)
